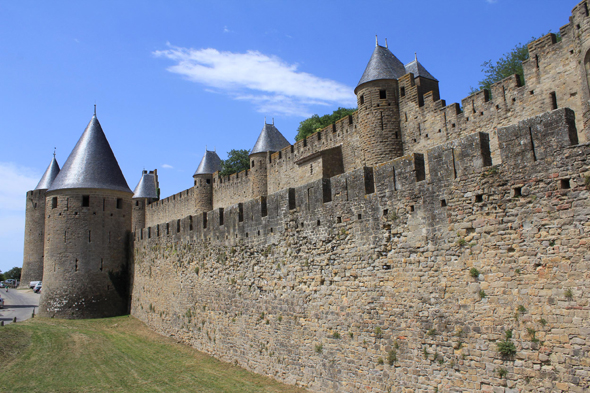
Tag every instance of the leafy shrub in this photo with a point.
(473, 272)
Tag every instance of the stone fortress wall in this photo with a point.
(355, 274)
(315, 284)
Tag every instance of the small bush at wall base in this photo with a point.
(473, 272)
(380, 361)
(431, 332)
(319, 348)
(569, 295)
(335, 335)
(502, 372)
(482, 294)
(521, 309)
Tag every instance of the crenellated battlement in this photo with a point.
(255, 221)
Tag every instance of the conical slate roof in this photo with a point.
(210, 163)
(270, 139)
(91, 164)
(147, 187)
(50, 173)
(416, 68)
(382, 65)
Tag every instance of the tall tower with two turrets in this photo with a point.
(378, 98)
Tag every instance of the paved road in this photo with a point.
(18, 303)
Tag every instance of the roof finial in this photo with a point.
(205, 148)
(273, 121)
(386, 44)
(415, 56)
(376, 41)
(54, 149)
(265, 120)
(94, 109)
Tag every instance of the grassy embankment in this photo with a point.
(113, 355)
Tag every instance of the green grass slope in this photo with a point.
(113, 355)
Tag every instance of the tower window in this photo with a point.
(382, 94)
(362, 99)
(208, 181)
(402, 91)
(85, 200)
(252, 163)
(119, 203)
(53, 202)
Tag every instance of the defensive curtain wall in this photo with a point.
(553, 77)
(327, 267)
(401, 275)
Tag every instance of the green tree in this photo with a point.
(509, 64)
(316, 123)
(237, 161)
(13, 273)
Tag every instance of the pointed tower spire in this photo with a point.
(94, 110)
(147, 186)
(382, 65)
(270, 139)
(49, 176)
(416, 68)
(210, 163)
(376, 41)
(91, 164)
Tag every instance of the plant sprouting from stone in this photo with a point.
(569, 295)
(473, 272)
(506, 347)
(391, 357)
(378, 332)
(502, 372)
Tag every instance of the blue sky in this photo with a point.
(171, 77)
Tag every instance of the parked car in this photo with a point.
(33, 283)
(1, 284)
(1, 303)
(37, 288)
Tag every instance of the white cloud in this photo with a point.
(166, 166)
(491, 1)
(268, 82)
(16, 181)
(226, 30)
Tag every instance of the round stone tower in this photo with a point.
(146, 192)
(378, 108)
(210, 163)
(87, 227)
(269, 141)
(35, 227)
